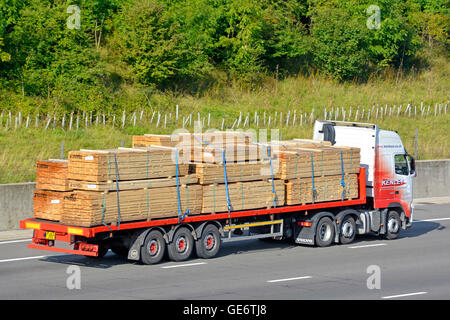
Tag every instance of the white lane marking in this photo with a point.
(14, 241)
(33, 257)
(290, 279)
(183, 265)
(368, 245)
(404, 295)
(20, 259)
(437, 219)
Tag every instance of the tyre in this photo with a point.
(324, 232)
(347, 230)
(393, 225)
(153, 249)
(182, 245)
(209, 244)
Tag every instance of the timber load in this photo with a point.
(173, 176)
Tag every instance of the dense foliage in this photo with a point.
(147, 44)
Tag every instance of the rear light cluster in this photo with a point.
(87, 247)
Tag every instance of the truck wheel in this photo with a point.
(393, 225)
(153, 249)
(324, 232)
(209, 244)
(182, 244)
(348, 230)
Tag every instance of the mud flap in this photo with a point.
(304, 235)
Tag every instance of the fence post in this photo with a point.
(416, 144)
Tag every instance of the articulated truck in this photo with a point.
(383, 208)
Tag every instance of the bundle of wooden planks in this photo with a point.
(52, 175)
(157, 178)
(48, 204)
(51, 185)
(299, 162)
(243, 196)
(320, 189)
(207, 147)
(124, 164)
(87, 208)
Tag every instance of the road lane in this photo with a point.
(416, 262)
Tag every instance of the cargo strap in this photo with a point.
(275, 198)
(224, 172)
(181, 216)
(117, 189)
(342, 180)
(274, 193)
(314, 191)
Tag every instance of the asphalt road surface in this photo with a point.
(414, 266)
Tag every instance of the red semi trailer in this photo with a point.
(383, 207)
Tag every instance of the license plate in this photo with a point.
(50, 235)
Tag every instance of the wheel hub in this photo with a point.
(209, 242)
(347, 230)
(181, 244)
(153, 247)
(325, 232)
(393, 225)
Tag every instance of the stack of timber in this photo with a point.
(243, 196)
(325, 188)
(316, 173)
(87, 208)
(132, 164)
(51, 184)
(207, 147)
(143, 185)
(52, 175)
(219, 139)
(299, 162)
(48, 204)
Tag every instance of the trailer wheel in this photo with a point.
(348, 230)
(153, 249)
(393, 225)
(182, 245)
(324, 232)
(209, 244)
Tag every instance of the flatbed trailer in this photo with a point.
(319, 224)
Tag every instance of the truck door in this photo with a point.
(402, 179)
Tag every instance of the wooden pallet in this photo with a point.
(243, 196)
(52, 175)
(327, 188)
(132, 164)
(87, 208)
(48, 204)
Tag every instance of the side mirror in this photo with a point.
(412, 165)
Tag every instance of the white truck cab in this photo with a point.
(389, 168)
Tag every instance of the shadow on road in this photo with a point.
(108, 261)
(245, 246)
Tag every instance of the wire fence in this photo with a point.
(159, 119)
